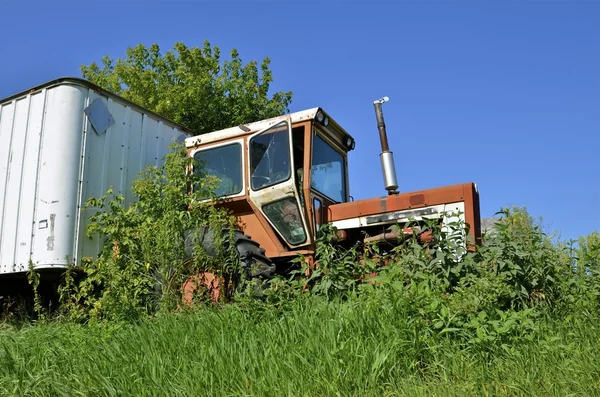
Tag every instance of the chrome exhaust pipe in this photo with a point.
(387, 157)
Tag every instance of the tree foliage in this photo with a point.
(191, 86)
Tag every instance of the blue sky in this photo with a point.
(504, 94)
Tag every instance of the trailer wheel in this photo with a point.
(254, 264)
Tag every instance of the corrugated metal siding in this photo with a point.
(52, 160)
(7, 114)
(114, 159)
(31, 161)
(20, 131)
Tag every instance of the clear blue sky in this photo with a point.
(504, 94)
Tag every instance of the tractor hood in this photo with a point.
(400, 208)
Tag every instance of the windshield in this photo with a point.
(328, 170)
(270, 158)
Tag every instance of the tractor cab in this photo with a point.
(279, 176)
(286, 176)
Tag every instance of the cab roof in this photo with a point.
(247, 129)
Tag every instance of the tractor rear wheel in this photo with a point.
(254, 264)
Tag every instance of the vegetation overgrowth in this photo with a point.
(517, 315)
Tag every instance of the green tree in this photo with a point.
(191, 86)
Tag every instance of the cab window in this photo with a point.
(225, 163)
(328, 170)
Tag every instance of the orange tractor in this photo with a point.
(285, 177)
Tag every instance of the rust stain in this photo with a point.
(417, 199)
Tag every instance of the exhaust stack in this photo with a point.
(387, 157)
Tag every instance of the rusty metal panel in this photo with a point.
(52, 160)
(462, 197)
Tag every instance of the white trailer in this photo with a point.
(61, 143)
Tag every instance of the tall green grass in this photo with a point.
(310, 347)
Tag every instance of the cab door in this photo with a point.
(273, 187)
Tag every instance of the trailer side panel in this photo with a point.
(54, 156)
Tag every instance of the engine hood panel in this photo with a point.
(391, 208)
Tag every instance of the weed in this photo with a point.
(145, 260)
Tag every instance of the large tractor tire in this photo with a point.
(254, 264)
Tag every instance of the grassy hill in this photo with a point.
(309, 347)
